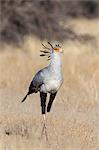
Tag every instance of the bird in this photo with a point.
(47, 80)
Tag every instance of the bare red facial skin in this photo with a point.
(57, 49)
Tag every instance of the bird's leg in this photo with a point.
(43, 97)
(44, 129)
(44, 120)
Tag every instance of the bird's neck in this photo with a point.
(55, 63)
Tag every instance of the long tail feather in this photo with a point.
(24, 98)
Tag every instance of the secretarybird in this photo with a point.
(48, 80)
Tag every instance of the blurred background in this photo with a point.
(73, 123)
(46, 20)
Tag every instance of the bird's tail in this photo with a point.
(24, 98)
(32, 89)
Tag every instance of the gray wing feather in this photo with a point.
(38, 79)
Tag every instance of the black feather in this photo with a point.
(48, 59)
(44, 51)
(24, 98)
(42, 55)
(45, 47)
(50, 45)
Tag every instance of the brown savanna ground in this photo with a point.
(73, 123)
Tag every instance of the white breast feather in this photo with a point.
(53, 75)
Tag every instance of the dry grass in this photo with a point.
(73, 123)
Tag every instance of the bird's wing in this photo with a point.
(38, 79)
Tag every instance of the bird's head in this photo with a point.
(54, 49)
(57, 48)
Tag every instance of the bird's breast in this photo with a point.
(53, 85)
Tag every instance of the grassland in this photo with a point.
(73, 123)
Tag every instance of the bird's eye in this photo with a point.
(56, 44)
